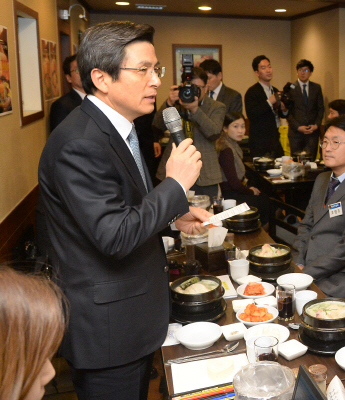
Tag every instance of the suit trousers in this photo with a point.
(299, 142)
(129, 381)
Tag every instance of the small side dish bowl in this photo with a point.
(281, 332)
(271, 310)
(266, 301)
(301, 281)
(292, 349)
(340, 357)
(269, 289)
(234, 331)
(274, 172)
(247, 279)
(199, 335)
(241, 303)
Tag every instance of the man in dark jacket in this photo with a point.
(68, 102)
(264, 112)
(306, 113)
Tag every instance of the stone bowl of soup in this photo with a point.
(244, 222)
(196, 294)
(269, 258)
(324, 319)
(264, 163)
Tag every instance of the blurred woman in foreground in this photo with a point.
(230, 155)
(32, 324)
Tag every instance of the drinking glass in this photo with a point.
(266, 348)
(217, 204)
(286, 302)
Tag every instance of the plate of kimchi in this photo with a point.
(255, 290)
(254, 315)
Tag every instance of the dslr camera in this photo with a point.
(188, 91)
(285, 96)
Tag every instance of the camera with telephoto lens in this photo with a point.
(285, 96)
(188, 91)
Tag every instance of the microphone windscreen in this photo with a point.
(172, 119)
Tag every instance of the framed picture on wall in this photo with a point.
(200, 53)
(5, 81)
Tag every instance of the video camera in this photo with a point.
(285, 96)
(188, 91)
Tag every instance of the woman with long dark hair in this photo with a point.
(230, 156)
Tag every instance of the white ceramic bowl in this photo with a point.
(271, 310)
(299, 280)
(248, 278)
(274, 172)
(266, 301)
(241, 303)
(292, 349)
(234, 331)
(281, 332)
(269, 289)
(199, 335)
(340, 357)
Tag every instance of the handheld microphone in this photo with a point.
(173, 122)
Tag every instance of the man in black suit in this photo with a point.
(104, 217)
(68, 102)
(306, 113)
(216, 88)
(264, 112)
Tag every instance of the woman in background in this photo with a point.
(230, 155)
(32, 325)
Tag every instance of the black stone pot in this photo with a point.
(322, 329)
(196, 303)
(269, 265)
(264, 165)
(243, 222)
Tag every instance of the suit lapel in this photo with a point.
(117, 143)
(336, 197)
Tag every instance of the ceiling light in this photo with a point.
(280, 10)
(205, 8)
(149, 7)
(122, 3)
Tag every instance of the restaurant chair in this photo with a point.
(283, 221)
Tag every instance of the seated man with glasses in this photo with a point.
(320, 242)
(306, 114)
(203, 122)
(68, 102)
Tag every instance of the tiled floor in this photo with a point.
(63, 389)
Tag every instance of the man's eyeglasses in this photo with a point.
(304, 70)
(159, 71)
(76, 70)
(334, 144)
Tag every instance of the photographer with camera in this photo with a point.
(202, 120)
(307, 111)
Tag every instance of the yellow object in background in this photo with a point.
(284, 140)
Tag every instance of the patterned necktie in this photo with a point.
(305, 95)
(211, 94)
(333, 184)
(134, 145)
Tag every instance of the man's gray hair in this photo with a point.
(104, 47)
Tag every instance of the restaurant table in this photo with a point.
(245, 242)
(297, 191)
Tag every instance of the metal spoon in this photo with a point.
(294, 325)
(228, 348)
